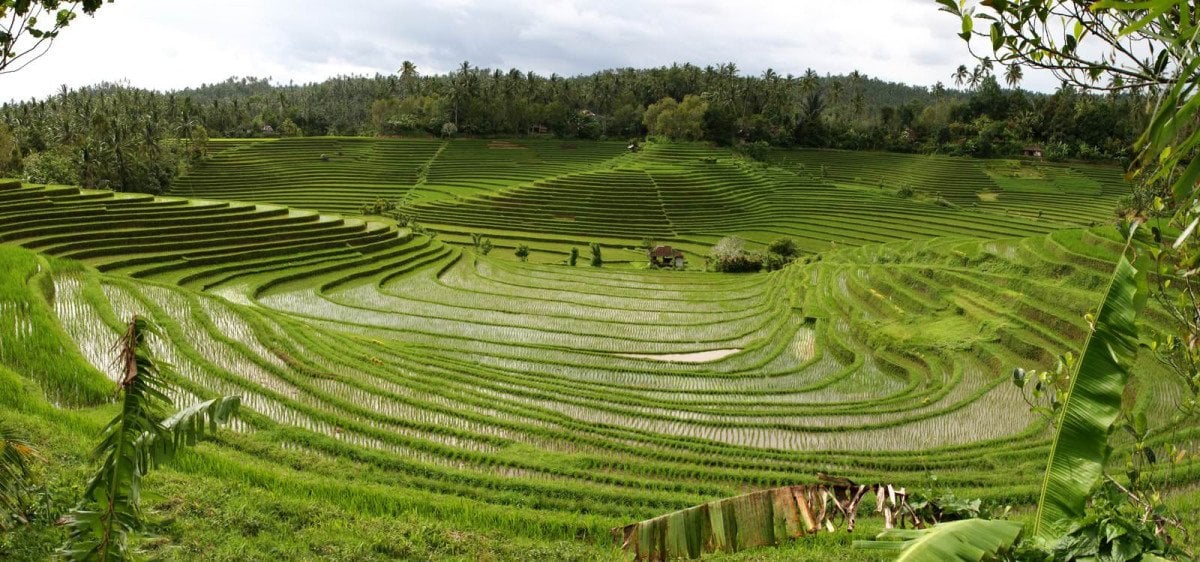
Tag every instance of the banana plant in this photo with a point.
(138, 439)
(15, 456)
(1091, 404)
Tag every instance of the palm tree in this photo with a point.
(809, 82)
(961, 75)
(408, 70)
(461, 85)
(408, 76)
(1013, 75)
(856, 84)
(835, 93)
(977, 75)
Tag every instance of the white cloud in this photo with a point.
(167, 44)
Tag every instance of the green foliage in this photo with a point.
(197, 143)
(597, 258)
(1091, 405)
(407, 115)
(729, 255)
(32, 25)
(676, 120)
(382, 207)
(850, 112)
(112, 141)
(784, 247)
(758, 150)
(939, 504)
(289, 129)
(16, 454)
(774, 262)
(522, 252)
(485, 246)
(1112, 530)
(10, 151)
(55, 166)
(573, 256)
(136, 440)
(781, 252)
(969, 540)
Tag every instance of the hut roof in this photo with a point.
(665, 252)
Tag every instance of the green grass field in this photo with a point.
(404, 397)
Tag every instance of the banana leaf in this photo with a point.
(686, 533)
(1091, 405)
(969, 540)
(752, 520)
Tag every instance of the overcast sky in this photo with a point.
(168, 44)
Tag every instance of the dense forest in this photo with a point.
(123, 138)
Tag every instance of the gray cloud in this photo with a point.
(170, 43)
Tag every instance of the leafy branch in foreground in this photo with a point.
(136, 440)
(28, 28)
(1114, 46)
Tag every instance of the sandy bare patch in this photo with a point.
(988, 196)
(696, 357)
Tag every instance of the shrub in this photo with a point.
(774, 261)
(522, 252)
(381, 206)
(729, 255)
(784, 247)
(573, 257)
(747, 262)
(597, 259)
(289, 129)
(51, 166)
(757, 150)
(10, 150)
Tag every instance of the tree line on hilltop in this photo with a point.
(124, 138)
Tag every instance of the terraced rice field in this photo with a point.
(557, 194)
(1062, 194)
(387, 373)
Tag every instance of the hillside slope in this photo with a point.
(387, 374)
(558, 194)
